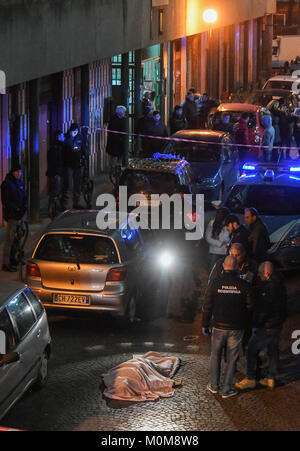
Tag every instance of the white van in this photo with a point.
(24, 343)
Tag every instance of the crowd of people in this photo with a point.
(66, 159)
(245, 302)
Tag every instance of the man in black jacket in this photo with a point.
(238, 233)
(228, 300)
(14, 207)
(72, 170)
(259, 241)
(190, 110)
(269, 314)
(116, 142)
(247, 268)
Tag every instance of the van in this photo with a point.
(25, 343)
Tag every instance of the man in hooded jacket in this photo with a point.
(268, 137)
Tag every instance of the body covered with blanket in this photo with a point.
(143, 378)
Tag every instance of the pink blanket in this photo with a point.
(144, 378)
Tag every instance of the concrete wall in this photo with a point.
(40, 37)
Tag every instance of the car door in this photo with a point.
(11, 373)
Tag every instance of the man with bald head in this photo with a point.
(228, 300)
(247, 267)
(269, 314)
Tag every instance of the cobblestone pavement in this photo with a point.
(84, 348)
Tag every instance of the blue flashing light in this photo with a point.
(295, 169)
(248, 176)
(249, 167)
(291, 177)
(127, 234)
(165, 156)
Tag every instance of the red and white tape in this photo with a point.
(163, 138)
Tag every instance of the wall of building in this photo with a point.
(39, 38)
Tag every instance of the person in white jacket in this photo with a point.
(217, 237)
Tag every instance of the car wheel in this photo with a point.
(42, 373)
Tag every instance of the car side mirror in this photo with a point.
(11, 357)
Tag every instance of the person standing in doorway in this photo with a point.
(14, 208)
(72, 167)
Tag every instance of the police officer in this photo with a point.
(14, 207)
(72, 171)
(228, 300)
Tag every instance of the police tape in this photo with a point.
(164, 138)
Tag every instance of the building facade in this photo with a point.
(70, 61)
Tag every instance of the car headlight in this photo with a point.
(166, 259)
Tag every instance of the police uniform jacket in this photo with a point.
(228, 302)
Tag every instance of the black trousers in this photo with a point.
(71, 184)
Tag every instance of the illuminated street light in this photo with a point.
(210, 16)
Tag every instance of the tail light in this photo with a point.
(192, 216)
(33, 270)
(116, 274)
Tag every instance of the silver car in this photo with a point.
(24, 343)
(77, 266)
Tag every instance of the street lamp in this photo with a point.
(210, 16)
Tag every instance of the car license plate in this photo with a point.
(71, 299)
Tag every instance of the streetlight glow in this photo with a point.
(210, 16)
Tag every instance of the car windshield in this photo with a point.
(280, 84)
(264, 99)
(75, 248)
(234, 117)
(269, 200)
(196, 153)
(149, 182)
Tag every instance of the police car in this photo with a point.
(274, 190)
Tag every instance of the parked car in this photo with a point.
(274, 98)
(287, 82)
(25, 343)
(256, 113)
(274, 190)
(78, 266)
(213, 159)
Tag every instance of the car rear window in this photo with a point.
(234, 117)
(196, 153)
(269, 200)
(280, 84)
(76, 248)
